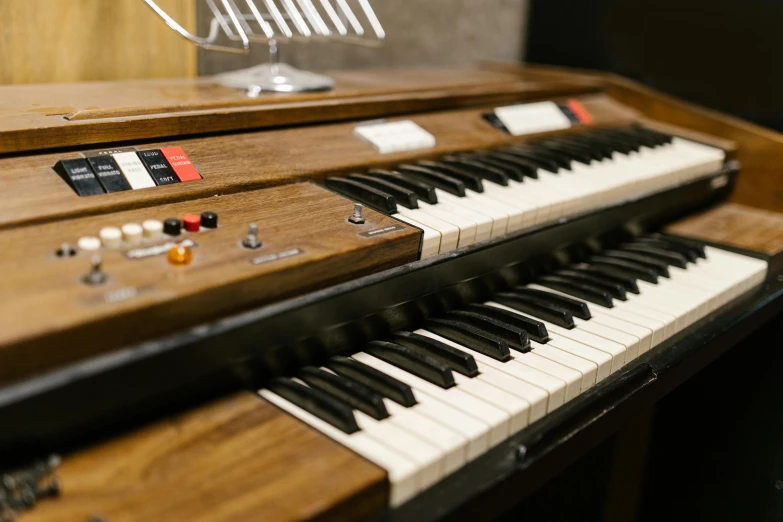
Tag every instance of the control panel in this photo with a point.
(84, 286)
(107, 171)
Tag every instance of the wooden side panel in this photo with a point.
(737, 226)
(236, 459)
(44, 41)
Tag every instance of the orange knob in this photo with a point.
(180, 255)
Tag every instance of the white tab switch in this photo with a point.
(134, 170)
(396, 136)
(528, 118)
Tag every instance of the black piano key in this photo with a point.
(457, 360)
(629, 141)
(660, 267)
(689, 253)
(423, 191)
(573, 152)
(536, 307)
(543, 162)
(582, 146)
(598, 147)
(562, 160)
(625, 268)
(669, 257)
(422, 365)
(366, 194)
(584, 291)
(470, 337)
(616, 290)
(662, 137)
(576, 307)
(512, 171)
(642, 138)
(405, 197)
(472, 181)
(516, 338)
(628, 283)
(320, 404)
(616, 144)
(488, 173)
(343, 389)
(536, 330)
(518, 161)
(374, 379)
(683, 242)
(442, 181)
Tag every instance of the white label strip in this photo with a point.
(529, 118)
(396, 136)
(134, 170)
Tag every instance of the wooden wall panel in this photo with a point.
(44, 41)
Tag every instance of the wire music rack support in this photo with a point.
(233, 30)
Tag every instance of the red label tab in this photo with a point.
(580, 112)
(182, 166)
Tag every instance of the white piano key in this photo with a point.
(429, 459)
(493, 210)
(401, 471)
(467, 227)
(483, 222)
(452, 446)
(497, 419)
(416, 421)
(449, 233)
(571, 377)
(642, 333)
(430, 243)
(631, 342)
(602, 360)
(475, 431)
(484, 388)
(586, 368)
(534, 397)
(616, 350)
(515, 196)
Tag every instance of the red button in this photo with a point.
(182, 166)
(580, 112)
(192, 222)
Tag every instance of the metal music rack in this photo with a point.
(277, 21)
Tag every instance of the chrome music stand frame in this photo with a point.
(280, 21)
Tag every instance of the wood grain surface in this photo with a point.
(49, 317)
(237, 459)
(34, 117)
(33, 193)
(44, 41)
(735, 225)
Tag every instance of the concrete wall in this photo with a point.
(419, 33)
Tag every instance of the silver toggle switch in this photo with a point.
(252, 241)
(357, 218)
(95, 276)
